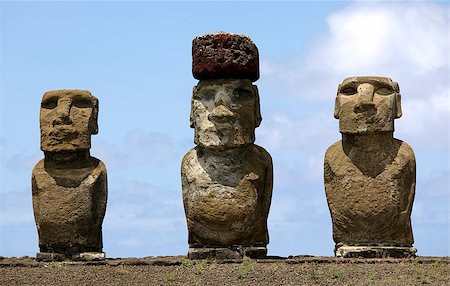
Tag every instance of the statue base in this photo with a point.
(83, 256)
(374, 251)
(230, 252)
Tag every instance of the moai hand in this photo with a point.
(226, 179)
(370, 176)
(69, 186)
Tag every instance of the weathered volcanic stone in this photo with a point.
(375, 251)
(69, 186)
(224, 55)
(369, 175)
(226, 178)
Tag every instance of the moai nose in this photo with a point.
(365, 92)
(63, 113)
(365, 98)
(221, 114)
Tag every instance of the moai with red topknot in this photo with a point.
(226, 178)
(370, 176)
(69, 186)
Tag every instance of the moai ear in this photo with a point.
(398, 106)
(93, 121)
(258, 117)
(337, 107)
(191, 116)
(398, 100)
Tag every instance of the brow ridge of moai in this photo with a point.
(369, 175)
(226, 178)
(69, 187)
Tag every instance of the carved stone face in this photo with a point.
(367, 104)
(67, 119)
(225, 112)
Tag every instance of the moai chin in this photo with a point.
(370, 176)
(226, 179)
(69, 186)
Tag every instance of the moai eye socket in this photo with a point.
(204, 95)
(348, 90)
(240, 93)
(384, 91)
(82, 103)
(49, 103)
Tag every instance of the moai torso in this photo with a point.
(227, 196)
(369, 175)
(69, 187)
(226, 179)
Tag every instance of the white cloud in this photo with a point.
(356, 38)
(138, 147)
(405, 41)
(385, 36)
(283, 132)
(426, 120)
(140, 205)
(153, 147)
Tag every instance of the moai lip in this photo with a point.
(69, 187)
(369, 175)
(226, 178)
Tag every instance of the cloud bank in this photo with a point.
(405, 41)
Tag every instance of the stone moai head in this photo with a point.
(225, 104)
(67, 120)
(367, 104)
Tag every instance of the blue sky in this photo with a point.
(135, 57)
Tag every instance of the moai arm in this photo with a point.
(35, 194)
(184, 181)
(186, 188)
(328, 177)
(268, 186)
(330, 154)
(407, 199)
(268, 183)
(101, 195)
(412, 192)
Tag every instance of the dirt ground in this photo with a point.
(273, 271)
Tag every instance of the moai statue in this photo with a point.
(226, 179)
(69, 186)
(370, 176)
